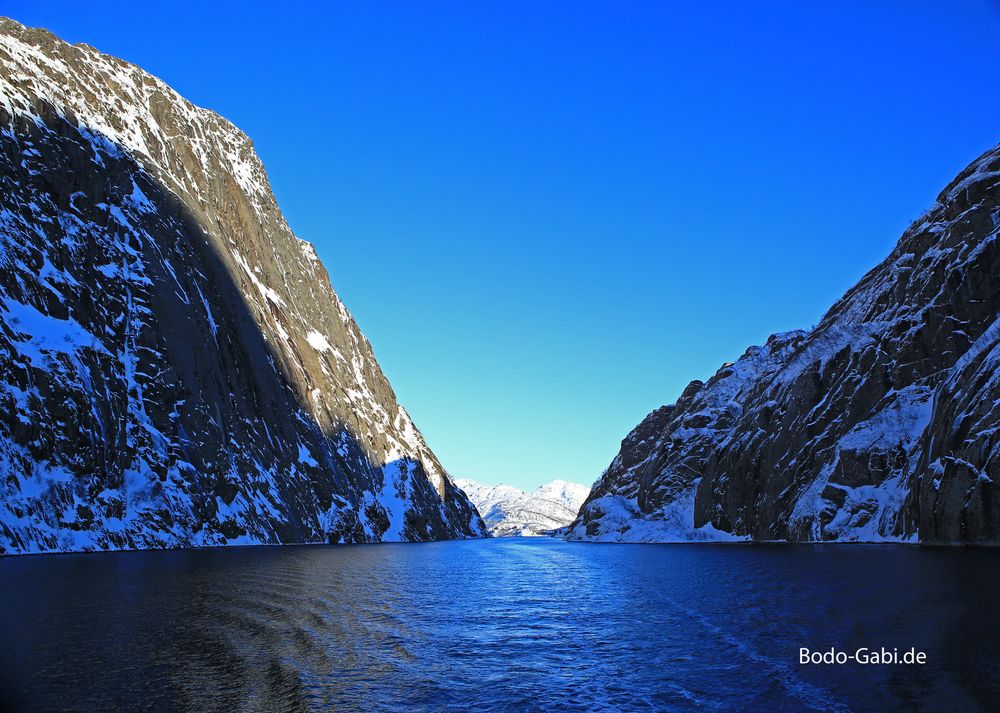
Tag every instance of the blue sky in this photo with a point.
(549, 217)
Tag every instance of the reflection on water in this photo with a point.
(497, 625)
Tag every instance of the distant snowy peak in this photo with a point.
(509, 511)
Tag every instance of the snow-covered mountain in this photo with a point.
(881, 423)
(510, 512)
(175, 368)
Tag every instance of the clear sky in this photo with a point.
(549, 217)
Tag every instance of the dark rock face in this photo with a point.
(880, 423)
(175, 368)
(954, 497)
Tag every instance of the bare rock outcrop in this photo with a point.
(880, 423)
(175, 368)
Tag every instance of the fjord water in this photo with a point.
(514, 624)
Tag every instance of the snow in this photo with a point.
(509, 511)
(128, 118)
(267, 292)
(306, 457)
(900, 422)
(309, 252)
(43, 336)
(620, 519)
(394, 500)
(318, 342)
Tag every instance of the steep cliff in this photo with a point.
(881, 423)
(175, 368)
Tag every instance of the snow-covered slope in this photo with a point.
(878, 424)
(510, 512)
(175, 368)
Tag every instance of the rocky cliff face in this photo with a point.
(175, 368)
(511, 512)
(881, 423)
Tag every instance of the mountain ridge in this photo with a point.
(848, 431)
(176, 367)
(510, 511)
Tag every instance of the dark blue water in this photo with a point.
(498, 625)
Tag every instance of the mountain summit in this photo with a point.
(175, 368)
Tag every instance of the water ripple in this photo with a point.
(535, 625)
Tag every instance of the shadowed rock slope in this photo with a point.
(175, 368)
(881, 423)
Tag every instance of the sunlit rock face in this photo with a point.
(175, 368)
(881, 423)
